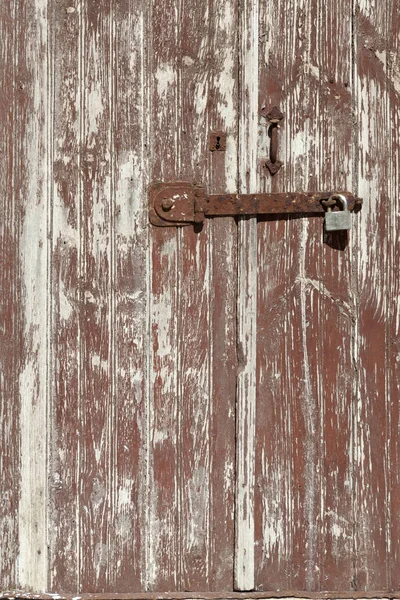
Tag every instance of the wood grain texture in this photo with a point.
(33, 170)
(393, 249)
(66, 230)
(131, 357)
(195, 280)
(187, 84)
(275, 281)
(246, 300)
(9, 299)
(222, 176)
(130, 285)
(372, 504)
(101, 180)
(207, 77)
(23, 595)
(296, 527)
(164, 502)
(336, 370)
(304, 417)
(97, 407)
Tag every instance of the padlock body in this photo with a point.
(338, 220)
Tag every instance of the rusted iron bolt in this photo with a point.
(329, 203)
(167, 204)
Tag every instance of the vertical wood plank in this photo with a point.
(371, 23)
(113, 504)
(336, 371)
(302, 108)
(97, 338)
(303, 305)
(130, 139)
(187, 85)
(9, 304)
(222, 177)
(65, 439)
(33, 176)
(393, 70)
(247, 299)
(303, 505)
(194, 344)
(275, 284)
(163, 460)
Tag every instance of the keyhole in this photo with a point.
(217, 141)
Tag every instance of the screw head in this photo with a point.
(167, 204)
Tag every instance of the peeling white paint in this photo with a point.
(165, 76)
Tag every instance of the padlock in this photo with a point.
(338, 220)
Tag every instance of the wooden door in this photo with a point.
(197, 411)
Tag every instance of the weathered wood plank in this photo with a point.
(163, 458)
(287, 376)
(393, 290)
(66, 224)
(192, 419)
(334, 322)
(276, 274)
(194, 343)
(9, 302)
(372, 393)
(299, 508)
(33, 173)
(302, 147)
(247, 300)
(222, 176)
(97, 408)
(131, 125)
(289, 595)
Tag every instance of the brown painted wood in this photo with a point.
(65, 444)
(222, 175)
(163, 571)
(185, 413)
(372, 410)
(194, 343)
(303, 507)
(393, 247)
(21, 595)
(193, 481)
(207, 533)
(335, 369)
(276, 276)
(97, 403)
(131, 293)
(9, 301)
(291, 526)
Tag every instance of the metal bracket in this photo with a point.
(181, 203)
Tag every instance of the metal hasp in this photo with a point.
(181, 203)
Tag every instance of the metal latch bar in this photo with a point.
(182, 203)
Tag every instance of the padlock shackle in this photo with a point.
(342, 198)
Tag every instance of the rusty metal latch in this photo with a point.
(181, 203)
